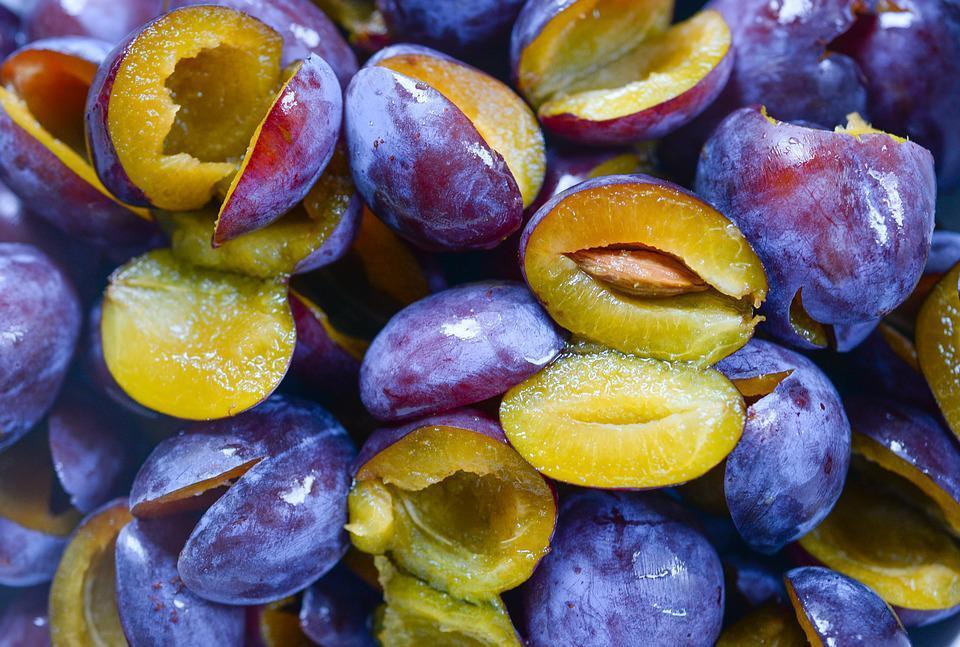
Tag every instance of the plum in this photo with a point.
(362, 21)
(842, 220)
(614, 548)
(24, 622)
(608, 72)
(454, 348)
(27, 557)
(938, 343)
(751, 581)
(450, 25)
(243, 136)
(446, 155)
(886, 364)
(195, 343)
(336, 610)
(44, 160)
(770, 624)
(645, 267)
(834, 609)
(107, 20)
(10, 30)
(788, 470)
(472, 520)
(39, 326)
(83, 605)
(609, 420)
(154, 605)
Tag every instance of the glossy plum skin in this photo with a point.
(455, 348)
(790, 465)
(154, 605)
(809, 222)
(24, 622)
(108, 20)
(841, 610)
(422, 166)
(336, 610)
(616, 546)
(27, 557)
(450, 25)
(39, 326)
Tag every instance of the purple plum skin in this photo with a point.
(27, 557)
(108, 20)
(279, 528)
(338, 242)
(25, 622)
(944, 252)
(155, 606)
(787, 471)
(846, 219)
(450, 25)
(305, 28)
(879, 370)
(422, 166)
(89, 450)
(912, 435)
(318, 360)
(843, 611)
(613, 547)
(336, 610)
(10, 31)
(919, 618)
(750, 582)
(455, 348)
(39, 325)
(294, 145)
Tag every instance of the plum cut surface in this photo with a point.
(938, 345)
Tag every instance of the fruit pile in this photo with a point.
(586, 323)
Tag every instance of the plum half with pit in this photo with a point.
(472, 520)
(643, 266)
(842, 219)
(455, 348)
(445, 154)
(609, 72)
(625, 569)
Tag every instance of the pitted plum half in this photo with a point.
(416, 614)
(611, 71)
(645, 267)
(609, 420)
(473, 519)
(42, 101)
(227, 119)
(195, 343)
(938, 345)
(83, 596)
(445, 154)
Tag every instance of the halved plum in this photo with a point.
(83, 596)
(841, 219)
(227, 118)
(645, 267)
(771, 624)
(416, 614)
(612, 72)
(610, 420)
(446, 155)
(27, 557)
(45, 86)
(938, 345)
(195, 343)
(472, 520)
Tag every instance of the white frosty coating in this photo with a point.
(463, 329)
(419, 94)
(791, 10)
(305, 35)
(73, 7)
(297, 494)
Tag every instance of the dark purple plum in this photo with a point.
(27, 557)
(751, 580)
(886, 364)
(842, 220)
(625, 569)
(155, 606)
(25, 622)
(10, 31)
(39, 325)
(916, 618)
(450, 25)
(455, 348)
(326, 360)
(788, 470)
(336, 610)
(108, 20)
(834, 609)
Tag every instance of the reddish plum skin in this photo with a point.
(843, 611)
(787, 471)
(108, 20)
(278, 529)
(318, 361)
(155, 607)
(305, 29)
(27, 557)
(294, 146)
(336, 610)
(450, 25)
(455, 348)
(846, 219)
(90, 454)
(39, 326)
(25, 622)
(617, 546)
(422, 167)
